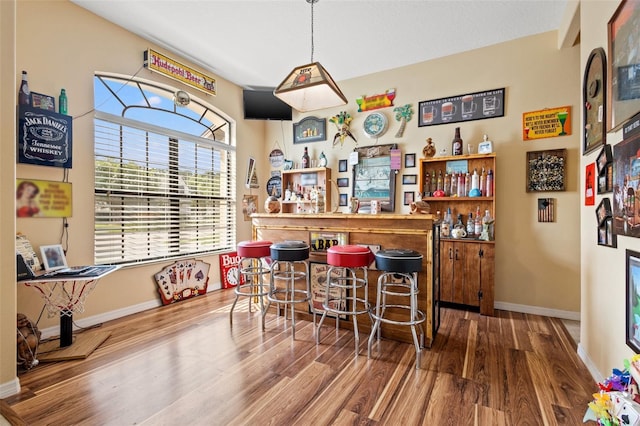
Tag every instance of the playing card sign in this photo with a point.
(182, 280)
(229, 275)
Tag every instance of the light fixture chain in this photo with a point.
(312, 21)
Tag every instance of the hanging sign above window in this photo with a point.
(168, 67)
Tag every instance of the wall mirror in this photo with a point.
(373, 178)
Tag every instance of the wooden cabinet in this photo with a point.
(467, 274)
(304, 181)
(467, 265)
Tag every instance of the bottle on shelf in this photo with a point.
(445, 228)
(467, 185)
(305, 158)
(62, 102)
(427, 184)
(454, 185)
(434, 183)
(447, 184)
(483, 183)
(477, 225)
(475, 180)
(470, 225)
(23, 92)
(440, 182)
(461, 183)
(456, 144)
(489, 189)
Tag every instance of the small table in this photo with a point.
(64, 295)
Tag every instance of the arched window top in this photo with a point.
(153, 103)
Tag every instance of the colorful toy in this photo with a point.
(342, 122)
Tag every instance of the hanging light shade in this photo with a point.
(310, 87)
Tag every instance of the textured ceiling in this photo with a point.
(256, 43)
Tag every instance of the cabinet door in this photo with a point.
(446, 271)
(471, 274)
(487, 276)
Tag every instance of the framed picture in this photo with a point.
(343, 182)
(590, 185)
(343, 200)
(308, 179)
(606, 237)
(373, 178)
(409, 197)
(318, 279)
(605, 157)
(310, 129)
(342, 165)
(409, 179)
(594, 87)
(409, 160)
(466, 107)
(53, 257)
(633, 300)
(603, 211)
(626, 176)
(38, 100)
(546, 170)
(605, 181)
(623, 76)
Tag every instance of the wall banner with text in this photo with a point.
(546, 123)
(42, 198)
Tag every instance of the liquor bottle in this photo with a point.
(489, 192)
(460, 184)
(447, 184)
(467, 185)
(487, 225)
(445, 228)
(456, 144)
(305, 158)
(62, 102)
(454, 185)
(477, 226)
(427, 184)
(470, 225)
(24, 93)
(475, 184)
(440, 183)
(434, 183)
(483, 183)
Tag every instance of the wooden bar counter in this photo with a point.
(385, 230)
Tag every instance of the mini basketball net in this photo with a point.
(64, 296)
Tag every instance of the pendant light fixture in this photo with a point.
(310, 87)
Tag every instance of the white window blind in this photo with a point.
(159, 196)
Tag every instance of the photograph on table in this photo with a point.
(53, 257)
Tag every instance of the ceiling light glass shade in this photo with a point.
(309, 88)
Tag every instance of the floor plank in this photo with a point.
(184, 364)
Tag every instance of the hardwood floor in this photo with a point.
(183, 365)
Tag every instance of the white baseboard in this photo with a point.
(537, 310)
(595, 373)
(111, 315)
(9, 388)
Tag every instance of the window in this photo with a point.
(164, 174)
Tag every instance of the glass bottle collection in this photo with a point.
(459, 184)
(24, 95)
(478, 227)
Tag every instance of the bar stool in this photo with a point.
(285, 256)
(399, 278)
(346, 274)
(253, 265)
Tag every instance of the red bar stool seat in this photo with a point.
(254, 264)
(398, 279)
(346, 274)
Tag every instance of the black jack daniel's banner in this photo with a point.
(44, 137)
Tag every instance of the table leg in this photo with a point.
(66, 330)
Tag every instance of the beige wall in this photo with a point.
(602, 337)
(539, 267)
(537, 264)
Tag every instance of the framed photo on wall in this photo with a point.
(623, 76)
(633, 300)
